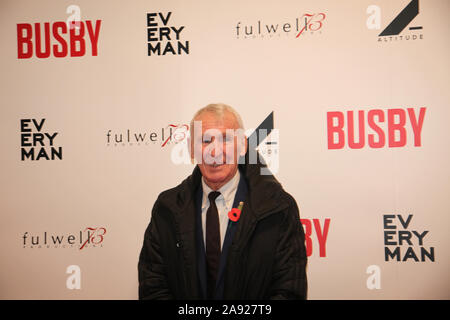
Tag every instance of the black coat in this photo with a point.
(267, 257)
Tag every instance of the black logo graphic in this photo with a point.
(402, 20)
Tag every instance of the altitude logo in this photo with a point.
(395, 29)
(264, 141)
(88, 237)
(164, 38)
(173, 133)
(308, 24)
(36, 144)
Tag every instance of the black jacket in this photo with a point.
(267, 257)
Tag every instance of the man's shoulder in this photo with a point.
(171, 193)
(176, 196)
(288, 198)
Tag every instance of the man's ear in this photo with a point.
(243, 150)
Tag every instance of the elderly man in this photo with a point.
(196, 248)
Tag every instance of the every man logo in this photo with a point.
(36, 144)
(164, 38)
(402, 243)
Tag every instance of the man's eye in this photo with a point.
(207, 140)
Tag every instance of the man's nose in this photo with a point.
(217, 148)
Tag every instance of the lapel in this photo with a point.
(200, 245)
(185, 225)
(240, 195)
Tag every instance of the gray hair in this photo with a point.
(218, 109)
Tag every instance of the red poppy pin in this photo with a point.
(235, 213)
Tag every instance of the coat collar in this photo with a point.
(260, 187)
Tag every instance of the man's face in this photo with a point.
(218, 147)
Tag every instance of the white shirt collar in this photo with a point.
(227, 191)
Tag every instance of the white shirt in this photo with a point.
(224, 204)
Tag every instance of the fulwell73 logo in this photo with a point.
(306, 24)
(87, 237)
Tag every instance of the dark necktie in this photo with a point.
(212, 243)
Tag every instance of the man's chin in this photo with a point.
(215, 173)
